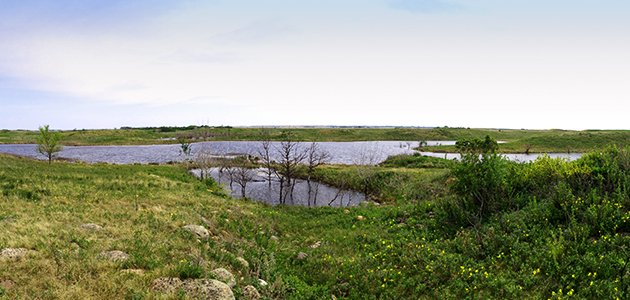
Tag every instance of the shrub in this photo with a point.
(483, 180)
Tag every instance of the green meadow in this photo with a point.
(481, 228)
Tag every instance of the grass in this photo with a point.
(556, 244)
(517, 140)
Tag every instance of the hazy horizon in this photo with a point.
(515, 64)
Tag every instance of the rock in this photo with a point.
(360, 218)
(6, 284)
(91, 227)
(243, 262)
(200, 231)
(115, 256)
(13, 253)
(224, 276)
(302, 256)
(274, 238)
(208, 289)
(167, 285)
(132, 271)
(194, 288)
(316, 245)
(262, 283)
(250, 292)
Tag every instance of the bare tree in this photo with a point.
(48, 142)
(242, 176)
(204, 160)
(264, 152)
(290, 156)
(230, 170)
(315, 157)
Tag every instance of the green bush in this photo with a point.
(188, 269)
(483, 180)
(416, 160)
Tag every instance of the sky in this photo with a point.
(534, 64)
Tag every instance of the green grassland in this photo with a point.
(559, 229)
(517, 140)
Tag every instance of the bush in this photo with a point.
(482, 181)
(189, 270)
(416, 160)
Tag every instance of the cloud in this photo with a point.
(253, 33)
(202, 56)
(424, 6)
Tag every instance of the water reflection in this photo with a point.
(303, 193)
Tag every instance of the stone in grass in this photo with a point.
(262, 283)
(13, 253)
(7, 284)
(243, 262)
(167, 285)
(91, 227)
(194, 288)
(225, 276)
(251, 293)
(302, 256)
(132, 271)
(114, 256)
(200, 231)
(316, 245)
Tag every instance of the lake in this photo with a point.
(371, 152)
(362, 153)
(259, 189)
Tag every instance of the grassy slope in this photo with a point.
(404, 250)
(143, 208)
(519, 140)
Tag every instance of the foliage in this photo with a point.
(477, 146)
(185, 147)
(189, 269)
(48, 142)
(482, 180)
(416, 161)
(383, 184)
(563, 232)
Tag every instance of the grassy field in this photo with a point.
(517, 140)
(563, 230)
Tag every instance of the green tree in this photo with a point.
(48, 142)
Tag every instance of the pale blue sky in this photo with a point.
(484, 63)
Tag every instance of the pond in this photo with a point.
(303, 193)
(370, 152)
(360, 153)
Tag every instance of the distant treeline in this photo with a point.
(174, 128)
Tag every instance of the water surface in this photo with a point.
(360, 153)
(304, 194)
(370, 152)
